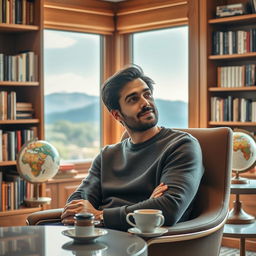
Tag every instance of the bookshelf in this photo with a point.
(211, 86)
(230, 67)
(21, 96)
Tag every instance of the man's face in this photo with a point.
(137, 108)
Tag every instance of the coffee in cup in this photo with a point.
(84, 224)
(146, 220)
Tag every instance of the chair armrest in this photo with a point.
(201, 226)
(44, 217)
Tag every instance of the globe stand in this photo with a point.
(237, 215)
(37, 201)
(238, 180)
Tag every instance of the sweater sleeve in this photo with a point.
(90, 188)
(181, 170)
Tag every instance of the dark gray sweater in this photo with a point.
(123, 176)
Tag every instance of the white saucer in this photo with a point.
(158, 232)
(84, 239)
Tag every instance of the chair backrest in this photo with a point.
(216, 145)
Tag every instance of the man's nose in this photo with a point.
(144, 102)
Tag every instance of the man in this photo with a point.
(155, 167)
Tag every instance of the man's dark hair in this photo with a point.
(111, 88)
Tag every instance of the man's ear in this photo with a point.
(116, 114)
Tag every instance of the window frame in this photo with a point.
(110, 20)
(84, 164)
(132, 43)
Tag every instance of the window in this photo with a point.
(72, 93)
(163, 55)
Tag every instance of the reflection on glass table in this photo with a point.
(49, 241)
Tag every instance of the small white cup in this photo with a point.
(146, 220)
(84, 224)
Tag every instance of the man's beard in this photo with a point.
(137, 125)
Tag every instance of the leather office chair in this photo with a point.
(201, 235)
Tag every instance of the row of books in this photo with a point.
(22, 67)
(236, 76)
(10, 109)
(233, 109)
(17, 12)
(12, 141)
(234, 42)
(13, 191)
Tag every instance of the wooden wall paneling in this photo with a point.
(65, 190)
(194, 82)
(203, 64)
(108, 122)
(92, 5)
(206, 67)
(133, 6)
(117, 54)
(40, 38)
(52, 191)
(161, 16)
(81, 18)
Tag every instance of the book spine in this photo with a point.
(1, 145)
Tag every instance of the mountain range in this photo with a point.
(81, 107)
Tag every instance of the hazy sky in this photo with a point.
(71, 67)
(163, 55)
(71, 62)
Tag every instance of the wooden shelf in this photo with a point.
(7, 163)
(225, 123)
(232, 56)
(20, 121)
(13, 83)
(17, 27)
(234, 19)
(222, 89)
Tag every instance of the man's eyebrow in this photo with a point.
(135, 93)
(130, 95)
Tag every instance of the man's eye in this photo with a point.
(148, 95)
(133, 99)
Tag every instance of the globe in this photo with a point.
(38, 161)
(244, 158)
(244, 152)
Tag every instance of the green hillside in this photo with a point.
(78, 107)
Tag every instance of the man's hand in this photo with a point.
(77, 206)
(159, 190)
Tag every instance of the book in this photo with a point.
(1, 145)
(253, 6)
(230, 10)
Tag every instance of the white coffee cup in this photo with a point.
(146, 220)
(84, 224)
